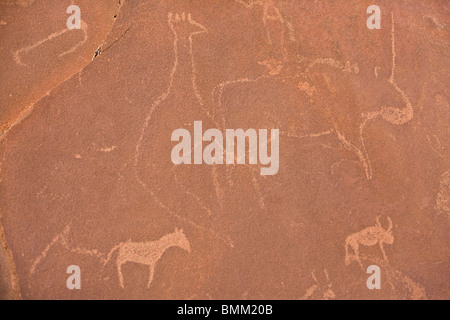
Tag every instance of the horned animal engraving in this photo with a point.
(147, 253)
(368, 237)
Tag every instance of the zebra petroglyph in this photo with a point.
(147, 253)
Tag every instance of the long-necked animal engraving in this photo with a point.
(147, 253)
(178, 188)
(368, 237)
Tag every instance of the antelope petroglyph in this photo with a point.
(147, 253)
(368, 237)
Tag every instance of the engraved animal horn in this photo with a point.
(313, 275)
(326, 275)
(390, 224)
(378, 221)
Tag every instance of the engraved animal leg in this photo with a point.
(310, 292)
(358, 259)
(382, 251)
(355, 246)
(119, 273)
(348, 257)
(150, 276)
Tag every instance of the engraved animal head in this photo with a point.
(386, 234)
(181, 240)
(184, 26)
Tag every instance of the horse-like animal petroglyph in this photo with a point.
(147, 253)
(368, 237)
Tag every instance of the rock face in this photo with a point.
(39, 52)
(363, 116)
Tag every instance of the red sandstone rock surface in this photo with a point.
(363, 115)
(39, 52)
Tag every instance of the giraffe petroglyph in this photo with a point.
(182, 79)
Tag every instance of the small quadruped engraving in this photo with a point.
(368, 237)
(147, 253)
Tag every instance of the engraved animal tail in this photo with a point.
(111, 253)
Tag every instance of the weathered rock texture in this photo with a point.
(39, 52)
(87, 178)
